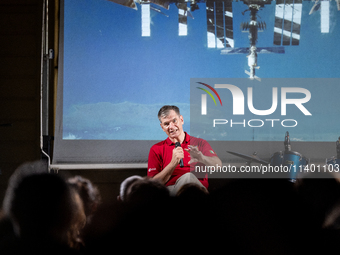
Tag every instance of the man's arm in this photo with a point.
(197, 156)
(164, 175)
(211, 161)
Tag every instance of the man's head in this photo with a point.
(40, 205)
(125, 186)
(171, 122)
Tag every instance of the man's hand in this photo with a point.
(177, 155)
(164, 175)
(195, 154)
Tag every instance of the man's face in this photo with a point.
(172, 124)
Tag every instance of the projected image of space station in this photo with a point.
(124, 59)
(220, 27)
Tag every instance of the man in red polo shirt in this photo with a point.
(164, 157)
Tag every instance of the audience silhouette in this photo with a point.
(46, 214)
(41, 207)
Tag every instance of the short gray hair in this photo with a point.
(164, 111)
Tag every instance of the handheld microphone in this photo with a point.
(177, 144)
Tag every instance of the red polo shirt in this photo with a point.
(161, 154)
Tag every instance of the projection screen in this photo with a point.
(121, 61)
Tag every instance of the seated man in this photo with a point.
(172, 161)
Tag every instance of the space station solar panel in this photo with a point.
(228, 23)
(161, 3)
(315, 7)
(267, 50)
(234, 51)
(145, 11)
(324, 16)
(127, 3)
(278, 23)
(210, 10)
(278, 2)
(296, 22)
(219, 13)
(182, 19)
(219, 24)
(287, 22)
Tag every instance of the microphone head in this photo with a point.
(177, 144)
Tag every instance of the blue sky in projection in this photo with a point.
(115, 80)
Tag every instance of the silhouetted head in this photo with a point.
(147, 191)
(126, 185)
(88, 193)
(41, 205)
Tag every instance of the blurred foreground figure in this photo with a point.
(125, 187)
(87, 197)
(41, 207)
